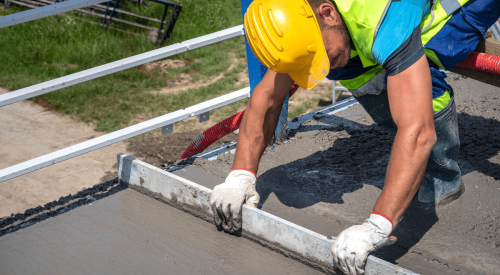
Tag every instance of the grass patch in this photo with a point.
(303, 104)
(59, 45)
(56, 46)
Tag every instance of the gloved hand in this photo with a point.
(227, 199)
(350, 249)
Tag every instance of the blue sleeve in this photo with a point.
(398, 45)
(352, 70)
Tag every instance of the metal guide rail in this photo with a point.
(120, 65)
(29, 15)
(164, 122)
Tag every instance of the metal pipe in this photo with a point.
(29, 15)
(334, 90)
(106, 13)
(113, 12)
(170, 24)
(161, 25)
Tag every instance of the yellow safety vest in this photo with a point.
(363, 20)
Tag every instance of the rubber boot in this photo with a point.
(442, 179)
(442, 182)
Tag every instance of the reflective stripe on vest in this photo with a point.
(432, 23)
(440, 102)
(450, 6)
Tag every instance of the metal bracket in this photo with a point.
(204, 117)
(165, 130)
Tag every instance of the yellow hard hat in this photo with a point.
(285, 37)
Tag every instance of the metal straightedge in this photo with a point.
(120, 65)
(194, 198)
(29, 15)
(328, 110)
(123, 134)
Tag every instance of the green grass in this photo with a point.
(51, 47)
(55, 46)
(310, 104)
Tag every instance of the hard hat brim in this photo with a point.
(318, 70)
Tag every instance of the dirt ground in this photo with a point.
(331, 172)
(30, 130)
(160, 149)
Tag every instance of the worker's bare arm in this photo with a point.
(256, 129)
(260, 119)
(410, 99)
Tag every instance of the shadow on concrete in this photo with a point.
(479, 142)
(361, 157)
(35, 215)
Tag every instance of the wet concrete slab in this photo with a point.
(198, 175)
(326, 178)
(329, 175)
(130, 233)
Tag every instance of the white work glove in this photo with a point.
(227, 199)
(350, 249)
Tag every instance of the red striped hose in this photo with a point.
(482, 62)
(218, 131)
(213, 134)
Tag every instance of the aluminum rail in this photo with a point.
(114, 137)
(120, 65)
(29, 15)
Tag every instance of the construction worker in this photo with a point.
(388, 53)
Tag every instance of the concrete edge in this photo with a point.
(276, 233)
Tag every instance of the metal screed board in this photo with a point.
(297, 241)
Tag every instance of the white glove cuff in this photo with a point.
(242, 175)
(382, 222)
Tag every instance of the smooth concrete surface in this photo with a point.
(130, 233)
(197, 175)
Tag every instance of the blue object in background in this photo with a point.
(256, 72)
